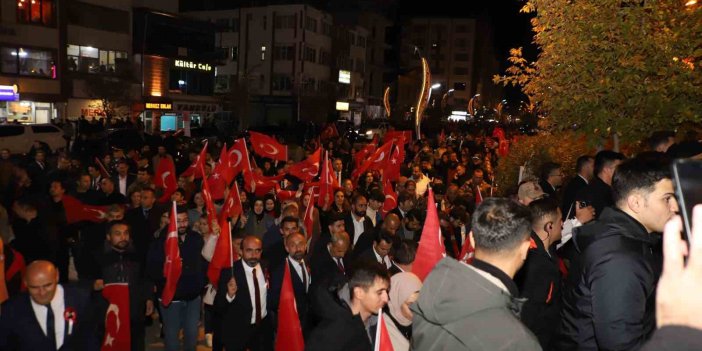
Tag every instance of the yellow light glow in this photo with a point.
(691, 3)
(155, 93)
(386, 101)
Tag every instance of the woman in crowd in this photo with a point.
(404, 291)
(257, 220)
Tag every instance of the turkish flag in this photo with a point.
(172, 266)
(77, 211)
(378, 161)
(117, 335)
(390, 198)
(289, 336)
(222, 167)
(165, 178)
(397, 136)
(259, 184)
(103, 171)
(431, 245)
(367, 150)
(382, 337)
(216, 184)
(232, 205)
(392, 172)
(308, 218)
(327, 183)
(223, 256)
(238, 157)
(466, 251)
(207, 196)
(267, 146)
(307, 169)
(199, 161)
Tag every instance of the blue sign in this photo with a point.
(9, 93)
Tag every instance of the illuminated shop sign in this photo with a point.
(192, 65)
(159, 106)
(9, 93)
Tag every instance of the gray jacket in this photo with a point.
(463, 308)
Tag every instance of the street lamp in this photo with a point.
(436, 86)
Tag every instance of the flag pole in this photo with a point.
(231, 248)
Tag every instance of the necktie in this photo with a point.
(146, 214)
(304, 275)
(50, 330)
(257, 296)
(341, 266)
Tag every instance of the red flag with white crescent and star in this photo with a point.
(76, 211)
(267, 146)
(390, 198)
(165, 178)
(238, 156)
(309, 168)
(378, 161)
(327, 183)
(117, 334)
(172, 265)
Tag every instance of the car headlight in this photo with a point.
(370, 132)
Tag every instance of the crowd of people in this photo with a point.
(559, 263)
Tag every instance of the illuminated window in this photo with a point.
(28, 62)
(41, 12)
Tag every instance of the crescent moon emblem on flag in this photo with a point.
(272, 150)
(164, 175)
(239, 157)
(390, 197)
(114, 309)
(381, 157)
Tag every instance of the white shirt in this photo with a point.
(357, 228)
(298, 269)
(57, 305)
(385, 260)
(263, 289)
(337, 260)
(422, 185)
(586, 182)
(371, 213)
(123, 185)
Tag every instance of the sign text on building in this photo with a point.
(192, 65)
(159, 106)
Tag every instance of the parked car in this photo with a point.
(18, 138)
(370, 129)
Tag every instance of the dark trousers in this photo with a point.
(260, 338)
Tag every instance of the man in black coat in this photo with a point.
(295, 245)
(585, 168)
(598, 192)
(274, 254)
(551, 178)
(107, 194)
(539, 279)
(356, 222)
(328, 264)
(379, 252)
(117, 262)
(65, 312)
(144, 221)
(345, 310)
(243, 324)
(609, 295)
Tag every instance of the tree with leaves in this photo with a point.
(113, 93)
(613, 67)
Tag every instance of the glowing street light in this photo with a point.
(436, 86)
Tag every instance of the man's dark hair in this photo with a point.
(547, 168)
(180, 191)
(287, 219)
(605, 158)
(500, 225)
(376, 195)
(405, 252)
(147, 170)
(383, 235)
(582, 161)
(357, 197)
(659, 138)
(149, 190)
(542, 207)
(415, 214)
(404, 196)
(122, 162)
(364, 275)
(334, 216)
(181, 209)
(639, 174)
(62, 183)
(114, 223)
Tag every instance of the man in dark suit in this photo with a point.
(144, 221)
(405, 203)
(275, 252)
(328, 264)
(240, 303)
(49, 316)
(107, 194)
(551, 178)
(296, 246)
(356, 222)
(339, 171)
(598, 192)
(379, 251)
(123, 179)
(585, 168)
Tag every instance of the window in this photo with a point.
(234, 53)
(281, 82)
(324, 57)
(360, 66)
(263, 53)
(311, 24)
(310, 55)
(221, 84)
(284, 53)
(98, 17)
(352, 39)
(28, 62)
(361, 41)
(45, 129)
(8, 131)
(265, 22)
(88, 59)
(222, 24)
(284, 22)
(460, 71)
(41, 12)
(235, 25)
(461, 57)
(326, 28)
(461, 43)
(309, 85)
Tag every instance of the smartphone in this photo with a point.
(687, 176)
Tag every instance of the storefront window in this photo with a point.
(42, 12)
(88, 59)
(27, 111)
(28, 62)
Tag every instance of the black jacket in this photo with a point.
(609, 295)
(340, 329)
(675, 338)
(598, 194)
(539, 281)
(569, 195)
